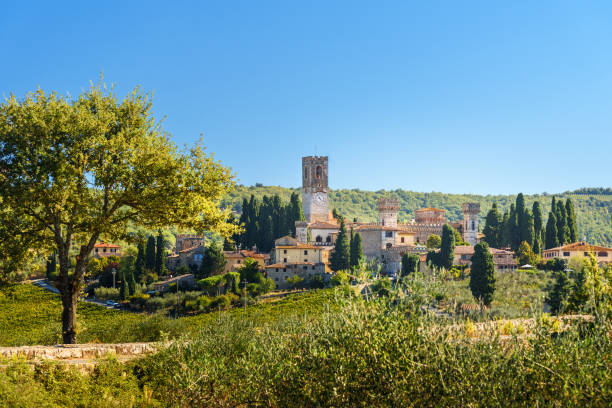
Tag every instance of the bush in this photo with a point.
(106, 293)
(213, 285)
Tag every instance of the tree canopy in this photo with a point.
(73, 171)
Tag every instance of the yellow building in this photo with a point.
(235, 259)
(291, 258)
(579, 249)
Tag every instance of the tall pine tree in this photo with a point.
(538, 228)
(447, 249)
(356, 250)
(340, 257)
(482, 274)
(492, 229)
(570, 213)
(160, 253)
(552, 238)
(150, 254)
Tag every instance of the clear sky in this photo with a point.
(479, 97)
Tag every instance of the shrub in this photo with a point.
(106, 293)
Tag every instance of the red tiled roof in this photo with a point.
(105, 245)
(429, 209)
(323, 225)
(469, 250)
(374, 227)
(284, 265)
(579, 246)
(298, 246)
(243, 254)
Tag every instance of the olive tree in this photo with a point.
(75, 170)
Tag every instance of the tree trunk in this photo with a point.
(69, 303)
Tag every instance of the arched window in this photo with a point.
(319, 239)
(388, 245)
(319, 172)
(328, 239)
(473, 225)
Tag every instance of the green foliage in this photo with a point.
(552, 239)
(150, 253)
(107, 293)
(447, 248)
(140, 264)
(559, 294)
(410, 264)
(250, 271)
(525, 255)
(213, 285)
(316, 282)
(356, 251)
(213, 261)
(493, 227)
(160, 254)
(482, 274)
(434, 241)
(295, 281)
(340, 256)
(339, 278)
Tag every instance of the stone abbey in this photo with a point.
(387, 239)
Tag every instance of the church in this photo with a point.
(386, 240)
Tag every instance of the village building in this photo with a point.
(603, 255)
(235, 259)
(189, 257)
(291, 258)
(503, 260)
(104, 250)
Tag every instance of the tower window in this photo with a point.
(328, 239)
(319, 172)
(319, 239)
(473, 225)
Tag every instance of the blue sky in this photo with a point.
(453, 96)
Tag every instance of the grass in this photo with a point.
(30, 315)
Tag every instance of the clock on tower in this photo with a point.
(314, 188)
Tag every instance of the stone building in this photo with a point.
(471, 213)
(503, 260)
(104, 250)
(189, 257)
(315, 188)
(291, 258)
(184, 241)
(235, 259)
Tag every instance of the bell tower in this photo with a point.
(471, 212)
(314, 188)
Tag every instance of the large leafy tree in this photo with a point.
(340, 256)
(482, 274)
(73, 171)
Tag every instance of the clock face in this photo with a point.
(320, 199)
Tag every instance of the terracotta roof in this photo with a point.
(298, 246)
(105, 245)
(579, 246)
(189, 249)
(374, 227)
(469, 250)
(243, 254)
(323, 225)
(429, 209)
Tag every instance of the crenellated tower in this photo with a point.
(471, 213)
(387, 211)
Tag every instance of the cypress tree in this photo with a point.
(51, 265)
(527, 228)
(213, 262)
(266, 234)
(131, 283)
(571, 220)
(124, 291)
(538, 225)
(552, 238)
(492, 229)
(278, 227)
(340, 257)
(356, 250)
(482, 274)
(150, 254)
(410, 264)
(503, 236)
(139, 265)
(296, 211)
(244, 221)
(562, 228)
(511, 229)
(160, 253)
(447, 249)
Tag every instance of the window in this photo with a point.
(305, 260)
(402, 240)
(313, 267)
(388, 245)
(473, 225)
(602, 254)
(566, 254)
(319, 172)
(285, 270)
(389, 234)
(328, 239)
(319, 239)
(305, 252)
(276, 269)
(104, 250)
(305, 267)
(285, 277)
(96, 250)
(276, 279)
(586, 254)
(239, 261)
(284, 251)
(285, 260)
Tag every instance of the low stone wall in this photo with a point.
(68, 352)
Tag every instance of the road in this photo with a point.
(43, 283)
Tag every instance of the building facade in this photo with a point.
(315, 187)
(104, 250)
(603, 255)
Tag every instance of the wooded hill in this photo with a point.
(593, 211)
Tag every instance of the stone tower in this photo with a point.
(471, 213)
(314, 188)
(387, 211)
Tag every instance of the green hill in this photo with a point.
(593, 206)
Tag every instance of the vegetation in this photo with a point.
(482, 274)
(268, 220)
(356, 251)
(340, 350)
(213, 261)
(340, 256)
(76, 170)
(410, 264)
